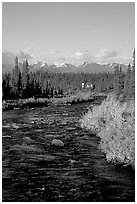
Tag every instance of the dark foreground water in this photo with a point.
(35, 170)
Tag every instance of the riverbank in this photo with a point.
(114, 123)
(24, 103)
(75, 98)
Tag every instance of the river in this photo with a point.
(34, 170)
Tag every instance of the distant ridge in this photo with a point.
(86, 67)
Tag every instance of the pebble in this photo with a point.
(27, 140)
(15, 126)
(6, 126)
(57, 143)
(71, 161)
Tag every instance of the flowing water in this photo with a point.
(34, 170)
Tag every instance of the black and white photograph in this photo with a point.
(68, 101)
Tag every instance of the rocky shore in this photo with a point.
(77, 97)
(24, 103)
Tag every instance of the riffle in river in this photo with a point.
(47, 156)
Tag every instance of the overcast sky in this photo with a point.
(72, 32)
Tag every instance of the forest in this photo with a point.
(42, 84)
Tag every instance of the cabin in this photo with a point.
(87, 86)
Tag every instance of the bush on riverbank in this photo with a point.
(24, 103)
(114, 123)
(76, 97)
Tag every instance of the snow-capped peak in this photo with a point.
(61, 65)
(85, 63)
(43, 64)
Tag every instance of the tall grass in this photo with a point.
(114, 123)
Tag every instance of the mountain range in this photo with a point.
(86, 67)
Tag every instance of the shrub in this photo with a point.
(114, 123)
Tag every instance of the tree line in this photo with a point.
(25, 84)
(124, 84)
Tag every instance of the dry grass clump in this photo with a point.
(114, 123)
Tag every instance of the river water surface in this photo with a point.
(34, 170)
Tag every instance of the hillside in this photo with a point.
(66, 68)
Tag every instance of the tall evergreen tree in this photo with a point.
(25, 80)
(127, 80)
(6, 89)
(15, 80)
(129, 85)
(132, 78)
(31, 84)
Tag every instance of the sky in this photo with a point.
(69, 32)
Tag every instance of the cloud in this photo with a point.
(9, 57)
(123, 59)
(22, 55)
(62, 59)
(55, 56)
(27, 53)
(110, 56)
(79, 55)
(106, 54)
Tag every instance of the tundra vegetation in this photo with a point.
(114, 120)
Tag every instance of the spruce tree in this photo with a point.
(6, 89)
(127, 80)
(15, 80)
(31, 84)
(25, 80)
(118, 81)
(129, 85)
(132, 78)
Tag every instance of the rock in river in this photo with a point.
(28, 140)
(57, 143)
(15, 126)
